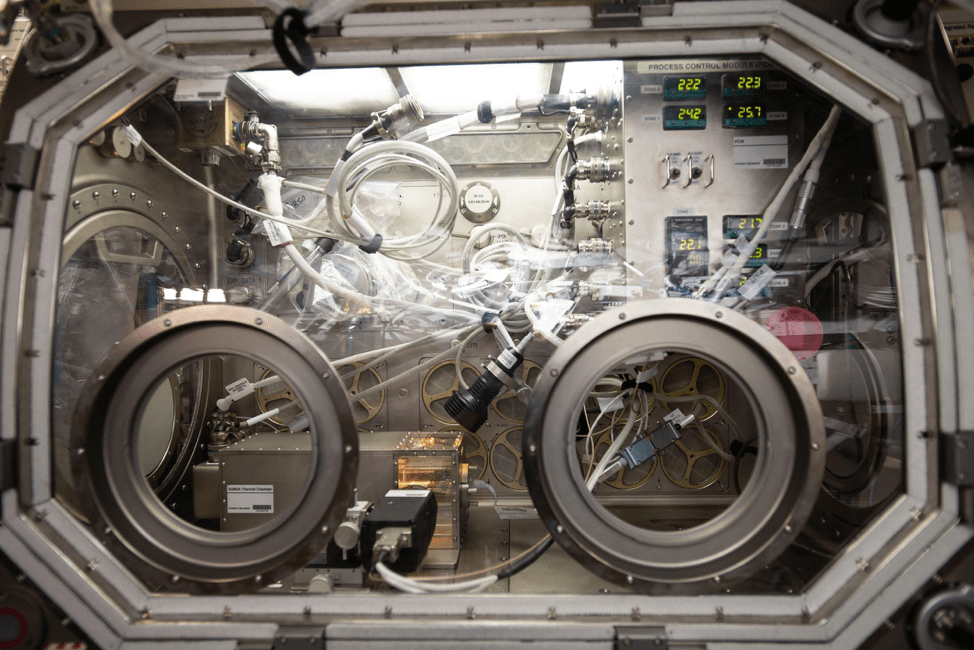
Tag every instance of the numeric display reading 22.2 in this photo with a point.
(677, 118)
(677, 88)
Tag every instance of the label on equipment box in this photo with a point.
(761, 152)
(250, 498)
(516, 512)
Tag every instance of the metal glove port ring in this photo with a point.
(729, 544)
(165, 551)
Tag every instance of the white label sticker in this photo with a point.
(250, 498)
(777, 116)
(443, 128)
(773, 253)
(777, 85)
(278, 233)
(779, 225)
(779, 282)
(684, 212)
(200, 90)
(407, 493)
(761, 152)
(478, 199)
(515, 512)
(132, 135)
(756, 283)
(610, 404)
(651, 89)
(652, 118)
(239, 388)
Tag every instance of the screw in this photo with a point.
(76, 203)
(132, 195)
(632, 222)
(96, 195)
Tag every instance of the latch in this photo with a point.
(957, 458)
(300, 637)
(641, 637)
(18, 165)
(617, 14)
(932, 141)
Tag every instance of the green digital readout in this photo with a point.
(687, 254)
(742, 116)
(678, 88)
(745, 85)
(737, 225)
(677, 118)
(759, 257)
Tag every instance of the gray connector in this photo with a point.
(392, 540)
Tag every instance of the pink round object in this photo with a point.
(799, 329)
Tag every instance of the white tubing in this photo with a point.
(323, 282)
(402, 583)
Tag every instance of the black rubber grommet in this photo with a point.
(484, 114)
(373, 245)
(296, 32)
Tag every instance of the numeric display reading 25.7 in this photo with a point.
(677, 118)
(739, 116)
(677, 88)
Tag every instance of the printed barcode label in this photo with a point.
(239, 388)
(243, 499)
(515, 512)
(770, 162)
(195, 90)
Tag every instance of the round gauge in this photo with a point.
(479, 202)
(198, 121)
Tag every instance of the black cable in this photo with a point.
(738, 455)
(520, 565)
(960, 117)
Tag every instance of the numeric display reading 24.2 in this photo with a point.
(676, 118)
(677, 88)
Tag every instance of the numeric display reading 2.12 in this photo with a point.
(676, 118)
(677, 88)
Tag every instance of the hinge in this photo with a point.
(300, 637)
(932, 141)
(8, 448)
(618, 14)
(957, 458)
(641, 637)
(18, 165)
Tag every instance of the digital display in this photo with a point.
(736, 225)
(742, 116)
(687, 254)
(744, 85)
(759, 257)
(676, 118)
(677, 88)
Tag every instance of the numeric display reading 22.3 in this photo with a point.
(677, 88)
(677, 118)
(743, 85)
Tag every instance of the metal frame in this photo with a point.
(895, 555)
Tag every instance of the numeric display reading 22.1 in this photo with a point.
(676, 118)
(687, 254)
(677, 88)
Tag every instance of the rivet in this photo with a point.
(630, 580)
(554, 373)
(792, 370)
(719, 314)
(132, 195)
(76, 203)
(167, 322)
(348, 449)
(115, 191)
(532, 448)
(96, 195)
(176, 228)
(174, 579)
(148, 204)
(325, 375)
(259, 321)
(188, 247)
(622, 316)
(559, 529)
(816, 446)
(164, 215)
